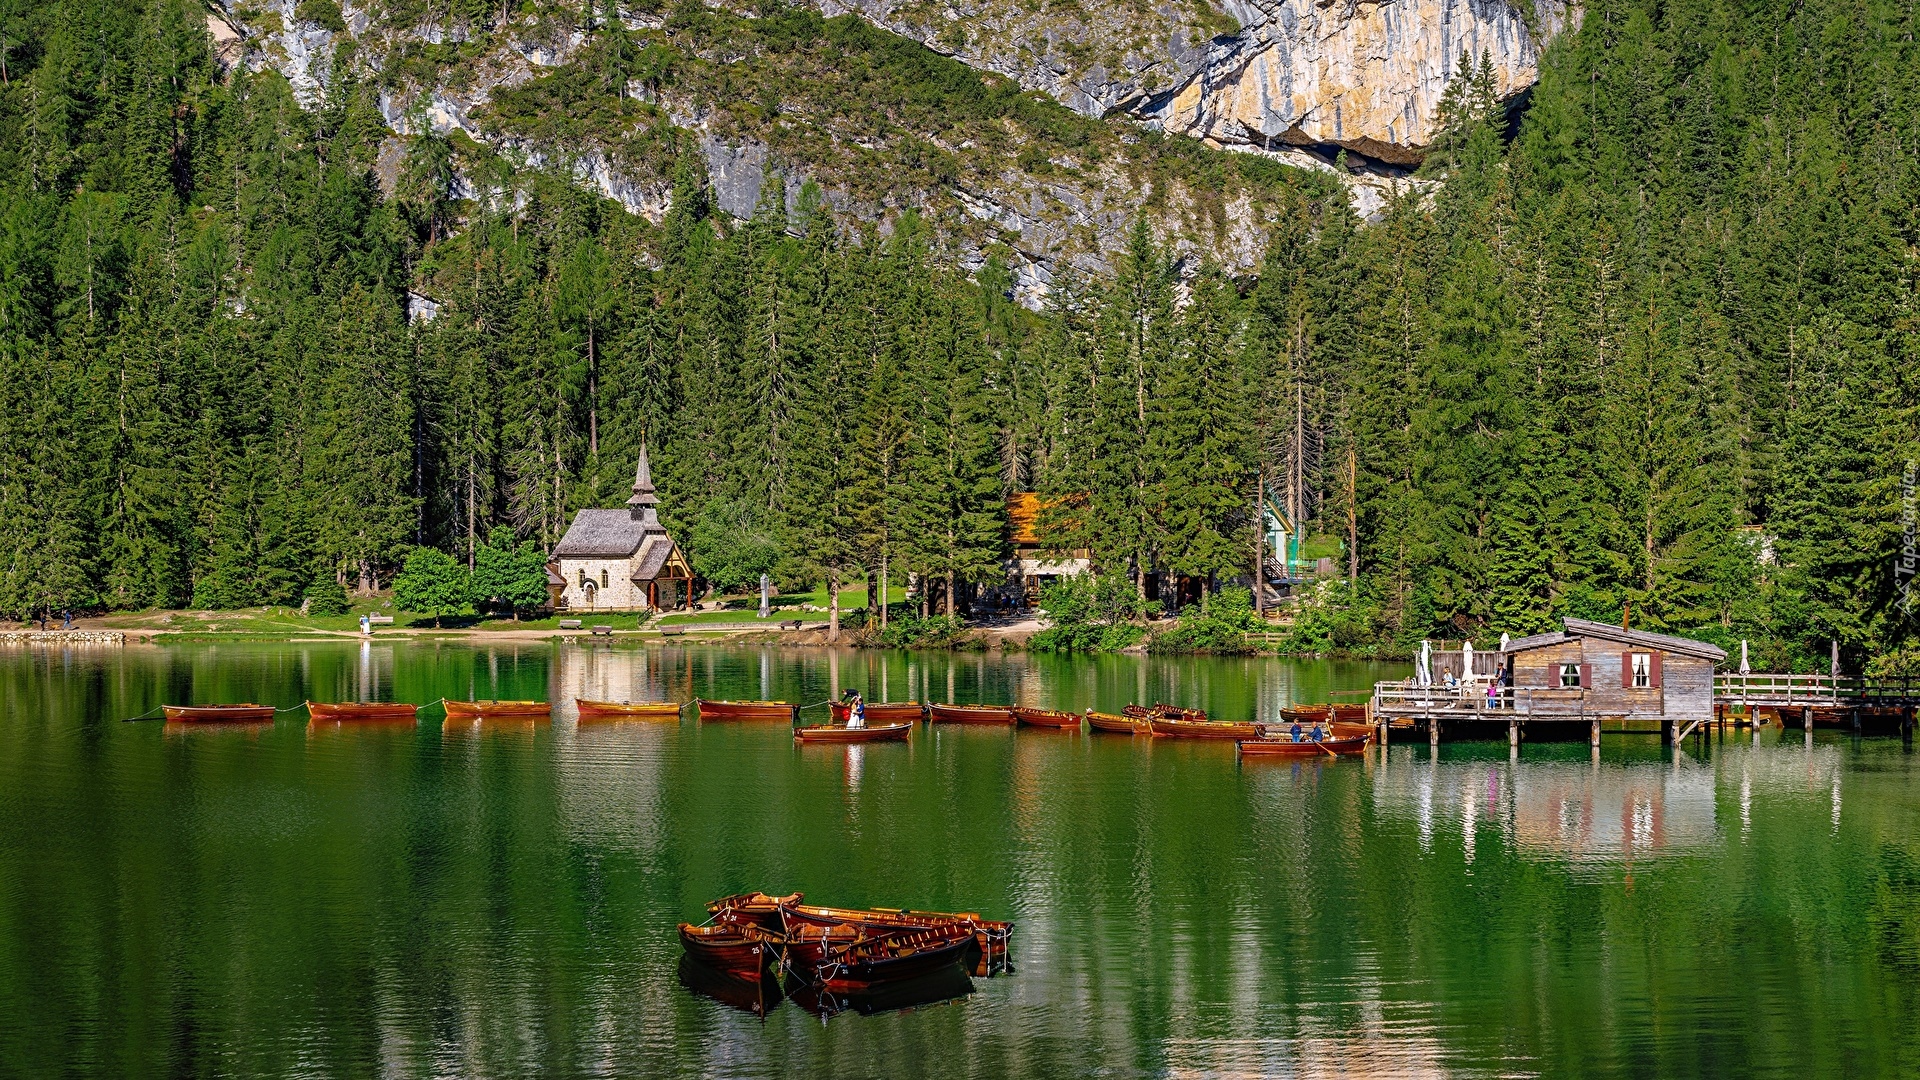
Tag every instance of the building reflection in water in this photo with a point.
(1578, 812)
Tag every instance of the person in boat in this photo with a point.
(1297, 732)
(1319, 732)
(856, 709)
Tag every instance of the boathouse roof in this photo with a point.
(1582, 628)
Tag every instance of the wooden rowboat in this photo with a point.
(749, 710)
(840, 733)
(739, 949)
(638, 710)
(248, 713)
(888, 712)
(992, 936)
(1118, 725)
(758, 908)
(496, 710)
(1204, 729)
(1047, 718)
(1305, 714)
(887, 958)
(1174, 712)
(1289, 748)
(970, 714)
(362, 710)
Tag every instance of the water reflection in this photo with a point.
(497, 898)
(1578, 812)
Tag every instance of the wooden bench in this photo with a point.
(602, 631)
(791, 624)
(569, 624)
(379, 620)
(672, 631)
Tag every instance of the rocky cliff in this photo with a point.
(881, 127)
(1365, 75)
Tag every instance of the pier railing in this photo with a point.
(1773, 688)
(1471, 701)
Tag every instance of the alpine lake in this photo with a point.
(500, 898)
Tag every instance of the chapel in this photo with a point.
(621, 560)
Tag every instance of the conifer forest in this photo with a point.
(1648, 336)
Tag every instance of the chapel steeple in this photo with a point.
(643, 502)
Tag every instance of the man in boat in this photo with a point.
(856, 709)
(1297, 732)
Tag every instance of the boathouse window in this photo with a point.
(1570, 675)
(603, 578)
(583, 577)
(1642, 670)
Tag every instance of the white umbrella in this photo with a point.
(1744, 669)
(1423, 670)
(1466, 662)
(1505, 640)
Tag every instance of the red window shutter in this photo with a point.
(1655, 670)
(1586, 676)
(1626, 671)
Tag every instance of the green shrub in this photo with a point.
(1089, 614)
(912, 632)
(322, 13)
(1222, 629)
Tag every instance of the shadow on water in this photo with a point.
(757, 997)
(948, 984)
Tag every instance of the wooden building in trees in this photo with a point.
(1618, 674)
(1034, 564)
(621, 560)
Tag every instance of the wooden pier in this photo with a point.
(1603, 677)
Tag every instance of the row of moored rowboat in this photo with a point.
(1303, 730)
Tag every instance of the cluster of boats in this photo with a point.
(1303, 730)
(777, 941)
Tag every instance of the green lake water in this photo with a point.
(500, 899)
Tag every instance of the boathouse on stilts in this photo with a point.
(1587, 675)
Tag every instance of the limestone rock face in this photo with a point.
(1366, 75)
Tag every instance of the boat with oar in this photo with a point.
(880, 712)
(499, 710)
(1117, 725)
(244, 713)
(740, 949)
(875, 959)
(970, 714)
(1163, 711)
(749, 710)
(755, 907)
(380, 711)
(1047, 718)
(841, 733)
(1304, 748)
(1323, 712)
(628, 710)
(992, 936)
(1204, 729)
(788, 914)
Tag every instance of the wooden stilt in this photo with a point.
(1433, 733)
(1593, 735)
